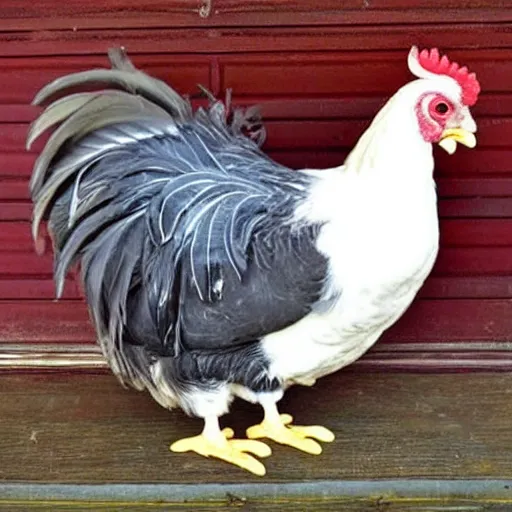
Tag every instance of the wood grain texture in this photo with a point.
(253, 40)
(313, 504)
(88, 429)
(22, 78)
(385, 357)
(75, 15)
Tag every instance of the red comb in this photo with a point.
(431, 61)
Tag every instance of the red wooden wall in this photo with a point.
(320, 70)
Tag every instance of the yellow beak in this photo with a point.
(451, 136)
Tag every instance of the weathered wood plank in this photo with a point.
(307, 504)
(44, 321)
(474, 261)
(254, 40)
(417, 357)
(88, 429)
(22, 78)
(453, 320)
(16, 237)
(75, 15)
(345, 73)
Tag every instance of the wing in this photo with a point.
(213, 257)
(283, 279)
(271, 297)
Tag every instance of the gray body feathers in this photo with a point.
(183, 228)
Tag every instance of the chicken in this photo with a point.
(213, 272)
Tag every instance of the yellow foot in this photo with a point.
(227, 449)
(298, 437)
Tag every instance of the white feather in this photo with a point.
(380, 235)
(414, 65)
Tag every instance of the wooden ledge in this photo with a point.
(404, 442)
(384, 495)
(419, 357)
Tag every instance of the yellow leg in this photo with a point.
(278, 427)
(213, 442)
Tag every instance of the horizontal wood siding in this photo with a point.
(20, 16)
(320, 73)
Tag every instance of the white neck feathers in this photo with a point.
(393, 146)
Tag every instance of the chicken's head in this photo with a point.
(446, 93)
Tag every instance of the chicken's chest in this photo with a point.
(379, 242)
(380, 250)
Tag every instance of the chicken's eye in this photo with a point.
(442, 108)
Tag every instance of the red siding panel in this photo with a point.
(44, 321)
(225, 41)
(462, 320)
(320, 73)
(21, 78)
(79, 15)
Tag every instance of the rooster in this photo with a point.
(213, 272)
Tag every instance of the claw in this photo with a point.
(235, 451)
(281, 431)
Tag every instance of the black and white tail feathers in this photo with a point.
(133, 184)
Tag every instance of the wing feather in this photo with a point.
(177, 218)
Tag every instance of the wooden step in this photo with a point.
(404, 442)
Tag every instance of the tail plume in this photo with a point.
(100, 177)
